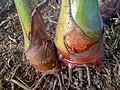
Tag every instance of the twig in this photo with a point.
(22, 82)
(54, 84)
(0, 85)
(8, 19)
(12, 39)
(19, 84)
(81, 77)
(88, 75)
(119, 70)
(12, 84)
(117, 61)
(39, 81)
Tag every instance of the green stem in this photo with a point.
(24, 8)
(87, 15)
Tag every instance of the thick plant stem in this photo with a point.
(24, 8)
(83, 15)
(86, 14)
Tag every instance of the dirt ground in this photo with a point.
(16, 73)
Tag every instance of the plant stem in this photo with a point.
(24, 9)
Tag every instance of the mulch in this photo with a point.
(15, 70)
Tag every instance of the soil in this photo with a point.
(16, 73)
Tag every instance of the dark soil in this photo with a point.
(16, 70)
